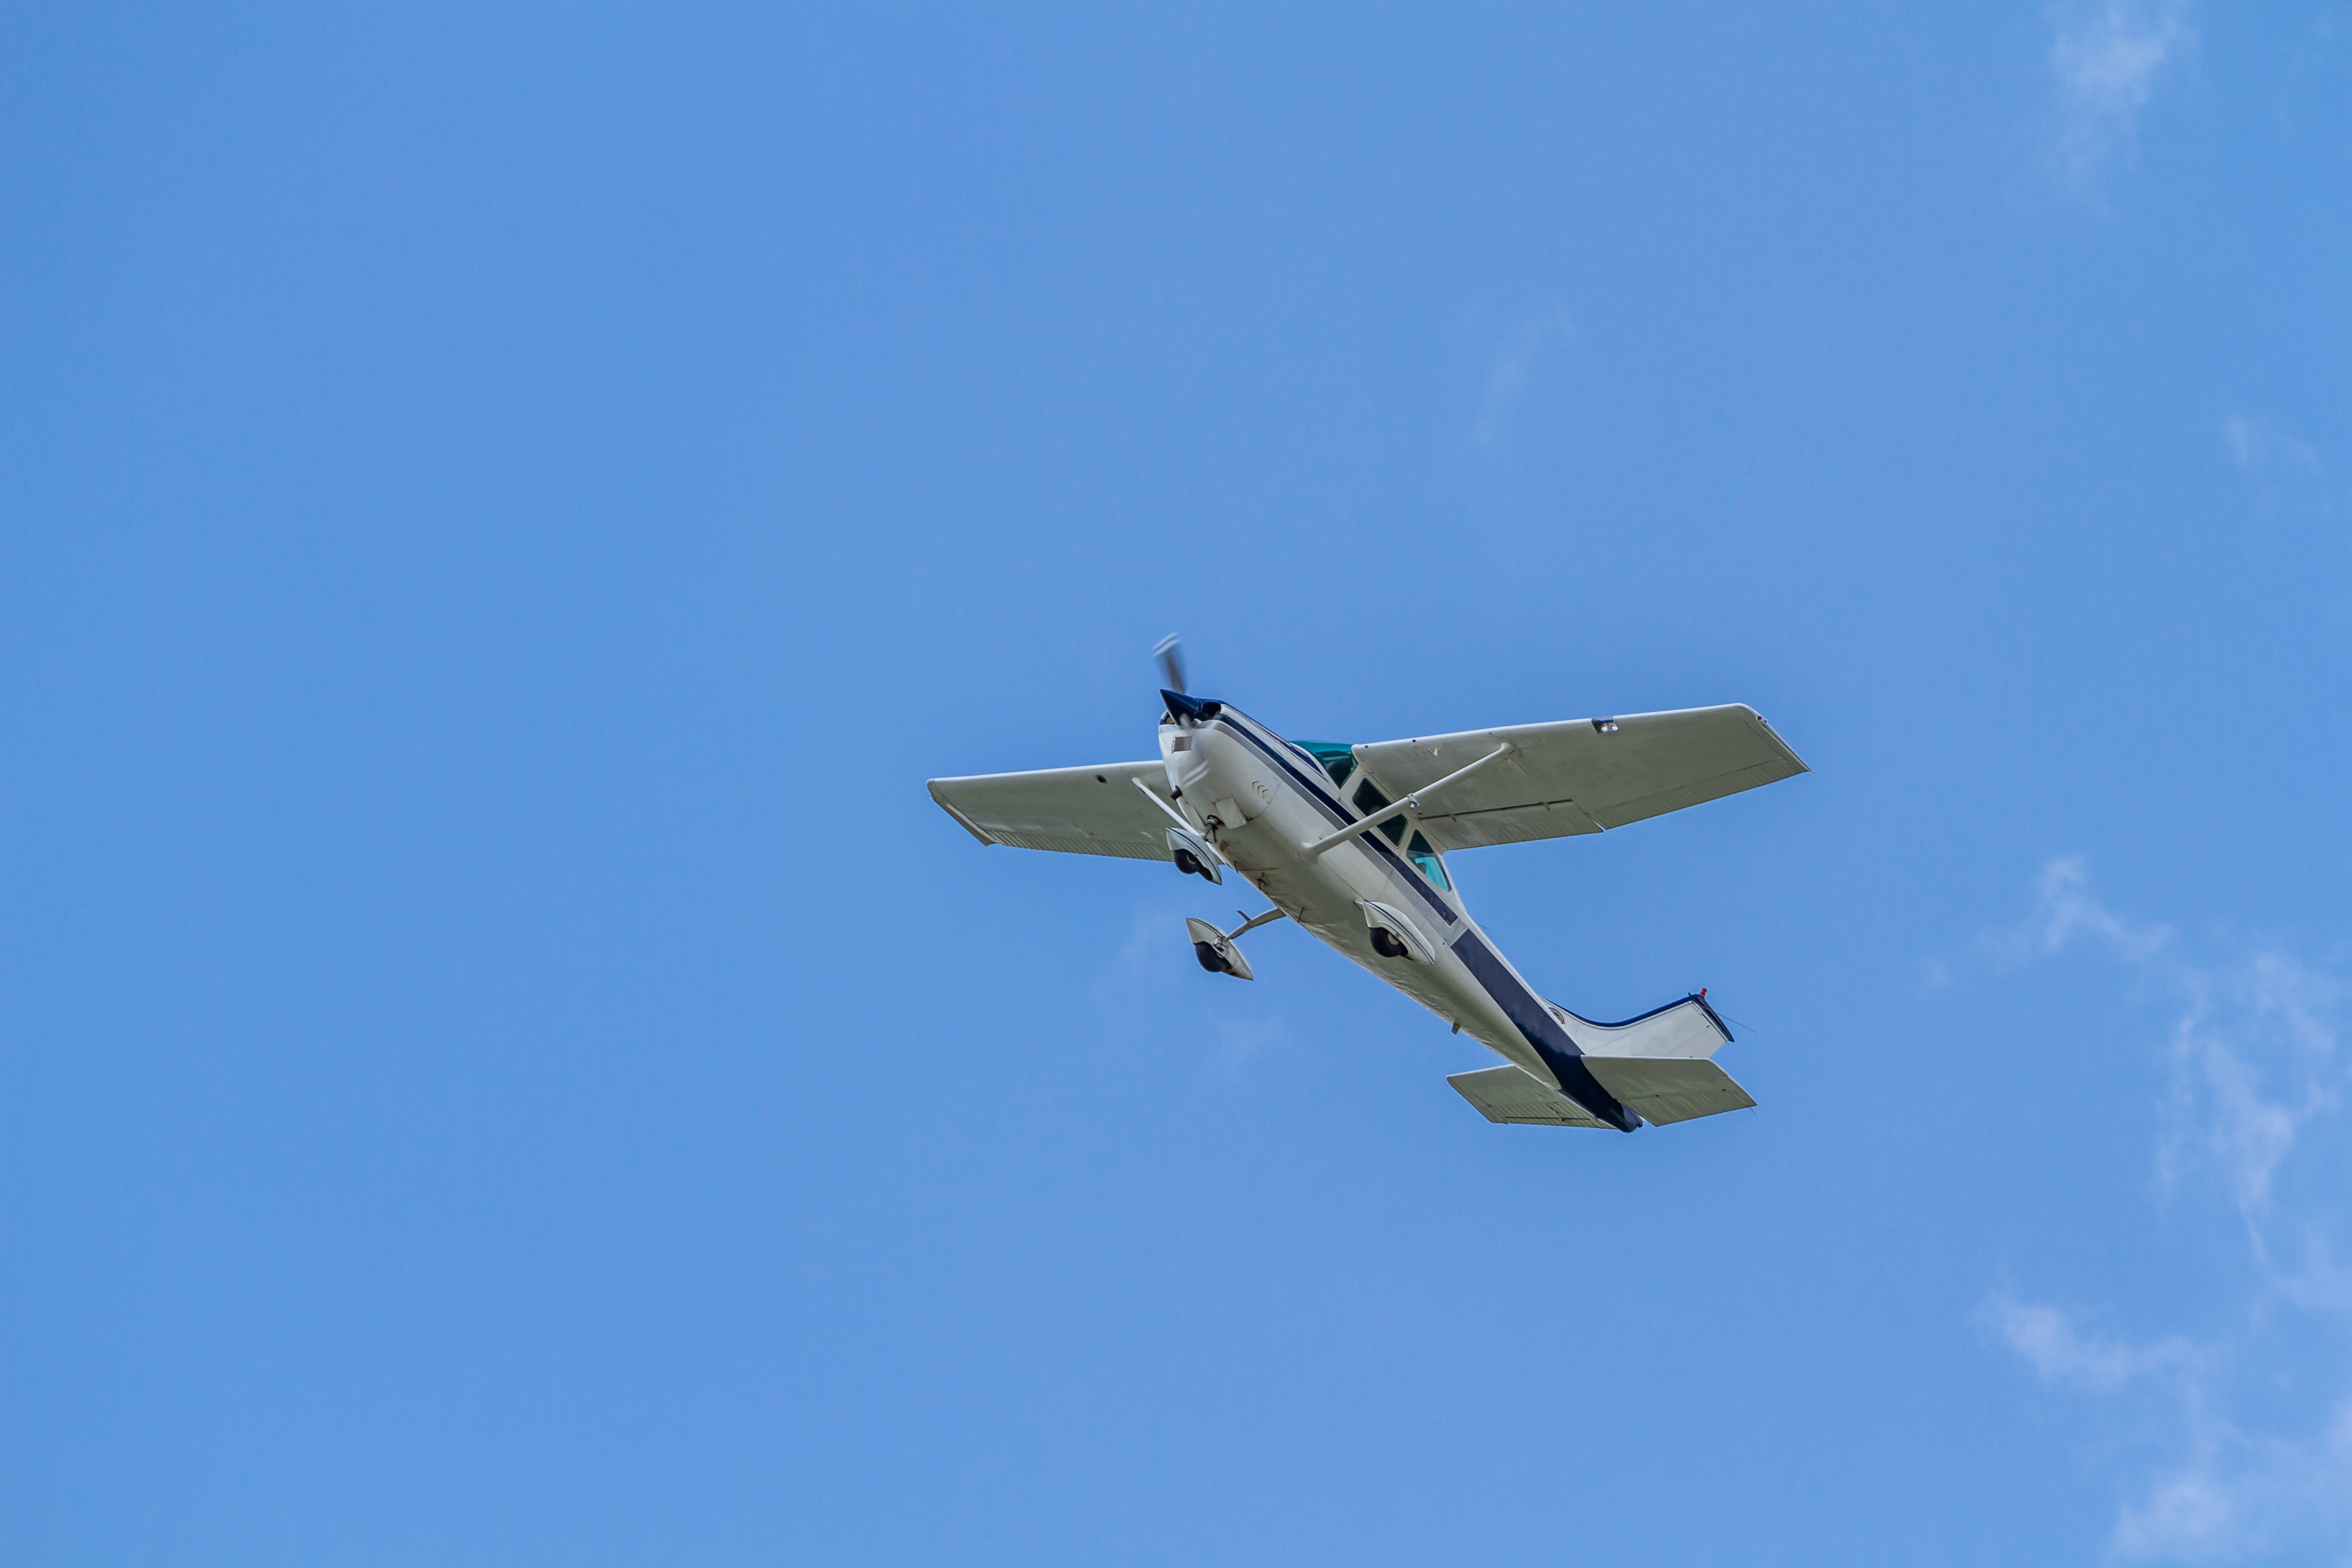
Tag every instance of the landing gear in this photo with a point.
(1192, 853)
(1388, 944)
(1217, 949)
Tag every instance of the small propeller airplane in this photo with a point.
(1350, 842)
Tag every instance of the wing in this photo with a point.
(1581, 776)
(1082, 811)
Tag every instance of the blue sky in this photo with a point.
(502, 511)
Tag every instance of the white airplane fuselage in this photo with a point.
(1263, 801)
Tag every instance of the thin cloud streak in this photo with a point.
(2064, 909)
(2107, 63)
(2061, 1352)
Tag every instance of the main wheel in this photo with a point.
(1209, 959)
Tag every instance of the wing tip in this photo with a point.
(965, 821)
(1781, 741)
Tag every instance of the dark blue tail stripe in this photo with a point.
(1534, 1020)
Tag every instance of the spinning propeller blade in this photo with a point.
(1170, 654)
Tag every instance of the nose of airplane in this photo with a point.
(1197, 708)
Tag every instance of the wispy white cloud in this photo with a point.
(2253, 1081)
(2108, 60)
(2058, 1348)
(2251, 1064)
(2282, 471)
(2063, 909)
(1508, 374)
(2244, 1496)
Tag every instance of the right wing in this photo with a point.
(1081, 811)
(1582, 776)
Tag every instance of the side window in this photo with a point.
(1368, 800)
(1425, 858)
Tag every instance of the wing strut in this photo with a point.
(1153, 796)
(1409, 807)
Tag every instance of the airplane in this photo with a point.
(1350, 842)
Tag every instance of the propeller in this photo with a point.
(1170, 654)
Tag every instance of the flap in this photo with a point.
(1581, 776)
(1668, 1089)
(1081, 811)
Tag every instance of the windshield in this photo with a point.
(1338, 760)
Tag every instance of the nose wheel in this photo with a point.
(1218, 950)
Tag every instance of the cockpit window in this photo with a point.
(1423, 855)
(1368, 799)
(1338, 760)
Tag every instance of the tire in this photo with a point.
(1209, 959)
(1387, 944)
(1187, 863)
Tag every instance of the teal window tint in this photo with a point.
(1426, 858)
(1370, 800)
(1339, 761)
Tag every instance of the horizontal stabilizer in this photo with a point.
(1661, 1090)
(1508, 1093)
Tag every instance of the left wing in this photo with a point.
(1080, 811)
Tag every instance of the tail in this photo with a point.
(1659, 1065)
